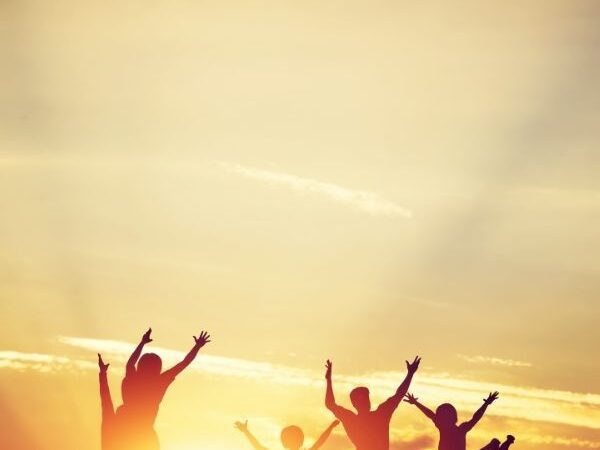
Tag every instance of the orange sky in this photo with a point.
(360, 181)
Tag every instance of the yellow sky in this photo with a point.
(361, 181)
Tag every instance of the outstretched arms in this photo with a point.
(108, 409)
(392, 403)
(325, 435)
(467, 426)
(131, 362)
(424, 409)
(243, 427)
(339, 411)
(200, 342)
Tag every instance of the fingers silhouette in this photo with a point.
(202, 339)
(410, 398)
(491, 397)
(242, 426)
(103, 367)
(328, 367)
(146, 337)
(412, 367)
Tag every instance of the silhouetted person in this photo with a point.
(367, 429)
(142, 389)
(445, 418)
(495, 444)
(292, 437)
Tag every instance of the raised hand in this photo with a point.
(146, 337)
(328, 366)
(490, 398)
(242, 426)
(409, 398)
(202, 339)
(413, 366)
(103, 367)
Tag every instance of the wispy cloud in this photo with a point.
(362, 200)
(530, 403)
(41, 362)
(494, 361)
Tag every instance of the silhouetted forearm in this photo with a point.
(257, 445)
(324, 436)
(425, 410)
(403, 388)
(135, 356)
(179, 367)
(329, 397)
(478, 415)
(108, 409)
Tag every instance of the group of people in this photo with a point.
(131, 425)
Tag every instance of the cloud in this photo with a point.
(530, 403)
(494, 361)
(368, 202)
(557, 440)
(41, 362)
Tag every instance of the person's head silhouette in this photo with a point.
(446, 414)
(149, 364)
(360, 399)
(292, 437)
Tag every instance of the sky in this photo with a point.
(359, 181)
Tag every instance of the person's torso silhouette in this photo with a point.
(452, 437)
(367, 429)
(143, 394)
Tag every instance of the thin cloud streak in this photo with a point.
(494, 361)
(41, 362)
(567, 408)
(368, 202)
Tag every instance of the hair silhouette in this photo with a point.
(446, 414)
(131, 427)
(445, 418)
(292, 437)
(367, 429)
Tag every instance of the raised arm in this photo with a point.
(200, 342)
(392, 403)
(424, 409)
(108, 409)
(338, 411)
(243, 427)
(325, 435)
(132, 361)
(467, 426)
